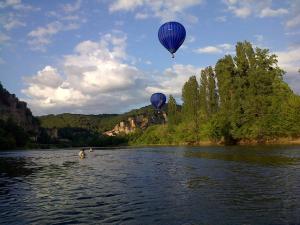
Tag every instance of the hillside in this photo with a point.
(18, 127)
(11, 108)
(97, 123)
(66, 130)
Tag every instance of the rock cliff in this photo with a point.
(131, 124)
(12, 108)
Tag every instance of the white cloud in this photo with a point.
(242, 12)
(41, 36)
(294, 19)
(289, 60)
(239, 8)
(47, 77)
(221, 19)
(292, 33)
(13, 24)
(17, 5)
(190, 39)
(218, 49)
(166, 10)
(173, 79)
(96, 78)
(12, 20)
(125, 5)
(71, 17)
(67, 17)
(259, 42)
(71, 26)
(209, 49)
(119, 23)
(259, 8)
(141, 16)
(72, 7)
(226, 46)
(268, 12)
(293, 22)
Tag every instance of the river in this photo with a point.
(159, 185)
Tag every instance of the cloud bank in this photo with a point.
(96, 78)
(165, 10)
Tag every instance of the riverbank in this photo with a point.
(279, 141)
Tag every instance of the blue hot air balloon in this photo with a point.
(171, 35)
(158, 100)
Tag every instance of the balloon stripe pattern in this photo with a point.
(171, 35)
(158, 100)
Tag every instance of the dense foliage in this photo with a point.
(96, 123)
(66, 130)
(242, 99)
(11, 135)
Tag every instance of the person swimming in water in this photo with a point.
(81, 154)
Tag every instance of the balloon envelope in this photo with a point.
(171, 35)
(158, 100)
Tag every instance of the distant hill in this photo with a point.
(98, 123)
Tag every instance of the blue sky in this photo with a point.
(103, 56)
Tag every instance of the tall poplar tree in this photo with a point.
(172, 112)
(190, 106)
(212, 98)
(203, 89)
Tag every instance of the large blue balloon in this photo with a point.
(171, 35)
(158, 100)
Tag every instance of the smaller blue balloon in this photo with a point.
(158, 100)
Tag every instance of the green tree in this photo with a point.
(191, 104)
(212, 98)
(247, 92)
(172, 112)
(221, 123)
(203, 94)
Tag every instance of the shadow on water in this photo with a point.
(17, 167)
(24, 167)
(246, 157)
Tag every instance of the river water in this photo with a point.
(161, 185)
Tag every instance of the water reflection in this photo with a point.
(246, 157)
(17, 167)
(172, 185)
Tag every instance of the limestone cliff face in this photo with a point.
(12, 108)
(138, 122)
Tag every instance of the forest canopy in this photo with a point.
(242, 99)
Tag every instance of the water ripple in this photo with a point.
(171, 185)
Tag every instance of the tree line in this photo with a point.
(242, 99)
